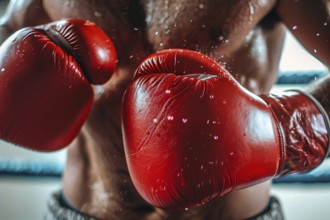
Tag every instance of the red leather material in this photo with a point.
(303, 131)
(179, 62)
(89, 45)
(44, 95)
(189, 140)
(192, 133)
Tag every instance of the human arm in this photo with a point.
(21, 13)
(309, 22)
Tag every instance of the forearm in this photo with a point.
(21, 13)
(320, 89)
(4, 33)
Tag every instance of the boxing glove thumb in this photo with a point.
(45, 77)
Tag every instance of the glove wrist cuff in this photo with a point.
(304, 131)
(323, 113)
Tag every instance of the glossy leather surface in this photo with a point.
(191, 139)
(88, 44)
(192, 133)
(304, 135)
(44, 94)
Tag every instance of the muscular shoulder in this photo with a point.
(198, 26)
(21, 13)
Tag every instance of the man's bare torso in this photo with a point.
(244, 36)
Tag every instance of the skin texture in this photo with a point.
(244, 36)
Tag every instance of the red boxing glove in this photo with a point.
(192, 133)
(45, 76)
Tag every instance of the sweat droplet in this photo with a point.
(97, 14)
(170, 118)
(184, 120)
(211, 96)
(216, 137)
(294, 27)
(168, 91)
(155, 120)
(3, 69)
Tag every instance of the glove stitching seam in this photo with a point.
(282, 141)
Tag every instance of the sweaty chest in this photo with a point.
(218, 28)
(202, 25)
